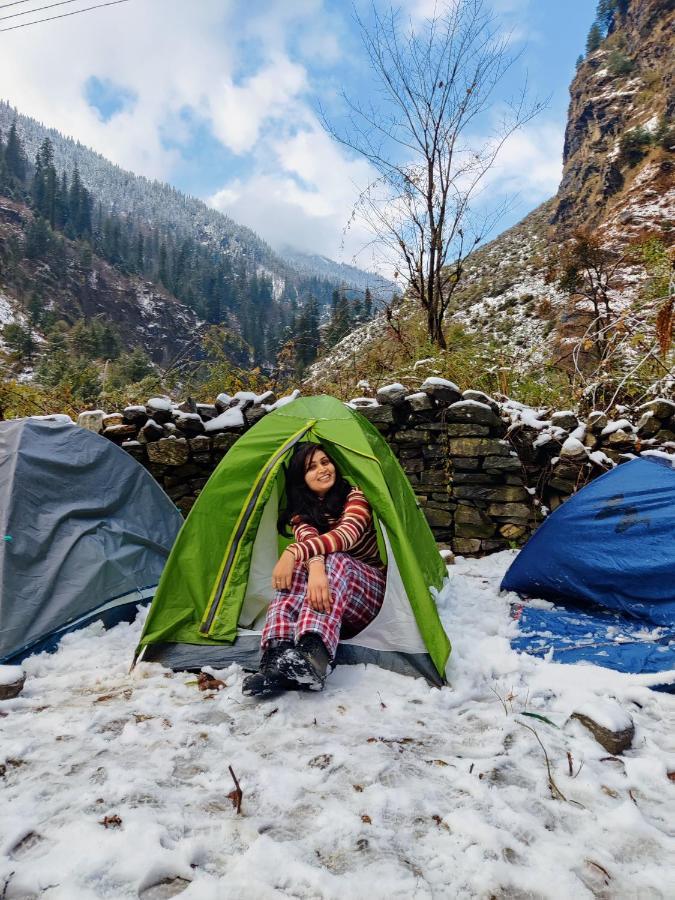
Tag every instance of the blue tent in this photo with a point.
(610, 547)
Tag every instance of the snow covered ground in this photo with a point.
(116, 785)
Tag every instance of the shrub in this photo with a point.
(619, 63)
(634, 144)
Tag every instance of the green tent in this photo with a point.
(211, 601)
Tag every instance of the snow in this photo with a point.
(162, 404)
(573, 447)
(440, 382)
(282, 401)
(231, 418)
(607, 714)
(619, 425)
(661, 454)
(10, 674)
(223, 398)
(379, 787)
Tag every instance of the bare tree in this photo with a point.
(432, 85)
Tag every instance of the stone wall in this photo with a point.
(485, 472)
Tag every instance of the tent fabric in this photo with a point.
(85, 531)
(598, 636)
(611, 544)
(606, 557)
(217, 579)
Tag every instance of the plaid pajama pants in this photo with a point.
(356, 593)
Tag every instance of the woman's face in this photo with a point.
(320, 473)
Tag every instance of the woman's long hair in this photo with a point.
(303, 502)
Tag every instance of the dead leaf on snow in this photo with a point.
(113, 821)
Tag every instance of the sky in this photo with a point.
(221, 98)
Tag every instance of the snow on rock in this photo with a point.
(10, 674)
(392, 393)
(433, 381)
(601, 459)
(231, 418)
(362, 402)
(619, 425)
(572, 448)
(378, 787)
(609, 723)
(282, 401)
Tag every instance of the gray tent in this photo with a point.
(84, 533)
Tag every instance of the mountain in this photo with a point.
(357, 279)
(156, 263)
(576, 291)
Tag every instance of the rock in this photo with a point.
(648, 425)
(362, 402)
(664, 436)
(502, 464)
(207, 411)
(466, 546)
(112, 419)
(164, 889)
(185, 504)
(621, 437)
(446, 553)
(502, 493)
(596, 421)
(420, 402)
(517, 513)
(661, 408)
(189, 423)
(472, 411)
(135, 449)
(444, 392)
(609, 723)
(480, 397)
(437, 517)
(463, 430)
(378, 415)
(223, 441)
(222, 402)
(478, 447)
(120, 432)
(472, 523)
(392, 394)
(565, 419)
(150, 432)
(573, 449)
(187, 406)
(253, 414)
(169, 451)
(92, 420)
(200, 444)
(230, 419)
(137, 415)
(12, 680)
(512, 532)
(159, 409)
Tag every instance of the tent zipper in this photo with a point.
(207, 621)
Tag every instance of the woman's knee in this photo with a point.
(338, 561)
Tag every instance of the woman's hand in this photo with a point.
(318, 593)
(282, 573)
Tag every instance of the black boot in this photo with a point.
(268, 679)
(307, 663)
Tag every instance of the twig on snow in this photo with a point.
(237, 795)
(556, 793)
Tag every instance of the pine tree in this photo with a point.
(594, 38)
(15, 158)
(580, 59)
(605, 14)
(367, 304)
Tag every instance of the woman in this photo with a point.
(329, 582)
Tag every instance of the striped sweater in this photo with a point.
(352, 533)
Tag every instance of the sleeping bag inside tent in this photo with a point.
(210, 605)
(85, 533)
(606, 558)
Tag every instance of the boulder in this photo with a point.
(92, 420)
(661, 408)
(420, 401)
(512, 532)
(469, 411)
(150, 432)
(609, 723)
(189, 423)
(502, 464)
(437, 518)
(480, 397)
(137, 415)
(222, 402)
(478, 447)
(120, 432)
(392, 394)
(464, 430)
(473, 523)
(112, 419)
(207, 411)
(596, 421)
(200, 444)
(187, 406)
(648, 425)
(159, 409)
(517, 513)
(444, 392)
(573, 449)
(466, 546)
(565, 420)
(378, 415)
(169, 451)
